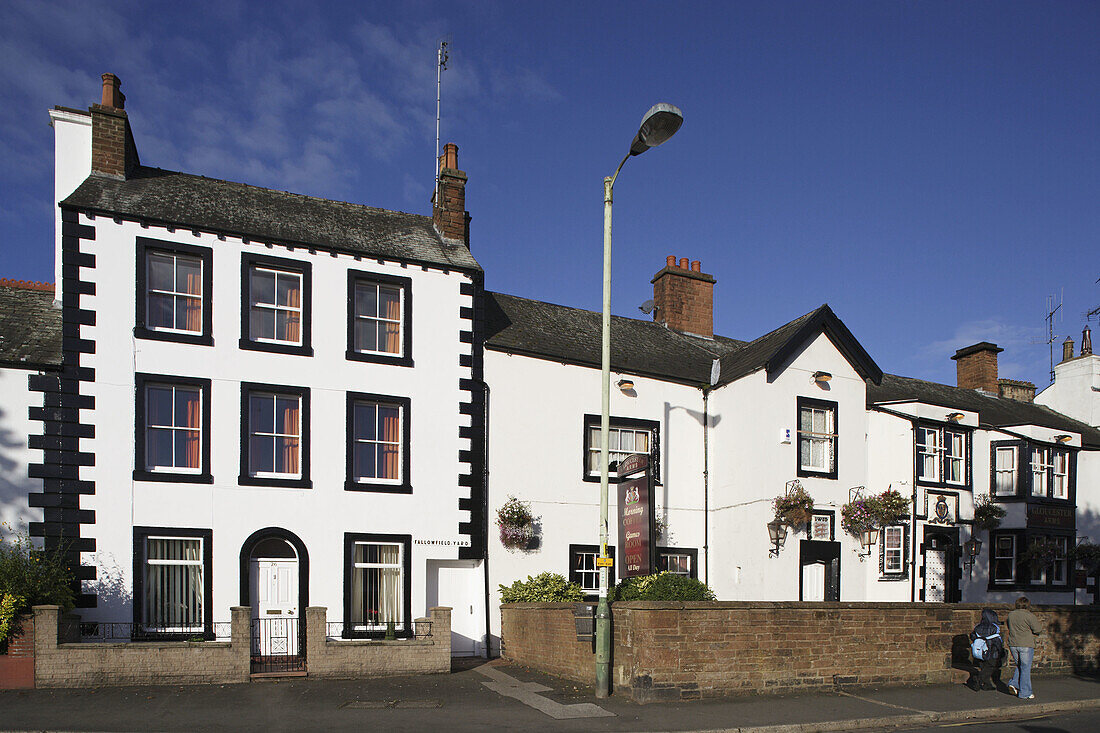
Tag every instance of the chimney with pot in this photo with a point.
(113, 150)
(1086, 342)
(683, 298)
(449, 214)
(976, 367)
(1067, 349)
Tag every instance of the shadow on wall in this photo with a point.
(1078, 637)
(114, 599)
(15, 485)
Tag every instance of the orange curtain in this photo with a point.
(289, 459)
(294, 319)
(191, 441)
(391, 428)
(192, 307)
(393, 313)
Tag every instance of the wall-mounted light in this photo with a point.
(868, 538)
(625, 385)
(777, 532)
(1063, 438)
(820, 376)
(954, 416)
(973, 548)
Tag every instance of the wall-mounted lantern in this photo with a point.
(820, 376)
(972, 547)
(1063, 438)
(955, 416)
(625, 385)
(777, 532)
(868, 538)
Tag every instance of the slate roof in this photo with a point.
(993, 411)
(572, 335)
(30, 328)
(208, 204)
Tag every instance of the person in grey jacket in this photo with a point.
(1023, 626)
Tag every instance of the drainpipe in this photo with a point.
(706, 488)
(485, 512)
(913, 524)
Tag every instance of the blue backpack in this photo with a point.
(987, 647)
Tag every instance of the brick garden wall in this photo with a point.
(17, 665)
(674, 651)
(359, 658)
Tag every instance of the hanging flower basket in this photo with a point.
(856, 517)
(517, 525)
(795, 507)
(1042, 551)
(987, 515)
(1088, 555)
(890, 507)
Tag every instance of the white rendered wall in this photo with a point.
(536, 447)
(749, 467)
(1076, 390)
(319, 515)
(15, 455)
(72, 135)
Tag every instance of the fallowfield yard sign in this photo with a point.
(637, 533)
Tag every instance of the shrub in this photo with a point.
(661, 587)
(31, 577)
(542, 588)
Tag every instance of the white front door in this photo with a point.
(458, 584)
(935, 575)
(813, 582)
(275, 604)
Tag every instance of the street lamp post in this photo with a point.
(659, 124)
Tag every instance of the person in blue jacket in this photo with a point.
(988, 629)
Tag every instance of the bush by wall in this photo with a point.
(31, 577)
(661, 587)
(542, 588)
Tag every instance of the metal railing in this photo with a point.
(115, 631)
(337, 630)
(278, 645)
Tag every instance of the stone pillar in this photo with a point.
(441, 637)
(241, 640)
(316, 638)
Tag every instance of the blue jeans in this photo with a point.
(1021, 675)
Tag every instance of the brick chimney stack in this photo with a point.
(449, 214)
(683, 298)
(113, 150)
(976, 367)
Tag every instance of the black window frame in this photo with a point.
(1022, 580)
(245, 478)
(692, 552)
(902, 574)
(653, 426)
(405, 284)
(405, 630)
(1021, 449)
(573, 573)
(284, 264)
(142, 381)
(141, 534)
(350, 484)
(802, 402)
(145, 245)
(944, 429)
(1024, 475)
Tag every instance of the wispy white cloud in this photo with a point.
(1025, 353)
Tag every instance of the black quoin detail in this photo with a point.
(477, 526)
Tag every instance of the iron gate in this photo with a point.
(278, 645)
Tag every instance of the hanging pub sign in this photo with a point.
(637, 532)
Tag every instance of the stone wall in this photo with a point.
(675, 651)
(358, 658)
(138, 663)
(17, 664)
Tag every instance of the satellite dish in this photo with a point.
(647, 307)
(715, 371)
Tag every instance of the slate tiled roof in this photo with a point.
(207, 204)
(993, 411)
(30, 327)
(572, 335)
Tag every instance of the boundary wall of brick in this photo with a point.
(680, 651)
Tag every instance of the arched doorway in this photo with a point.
(274, 584)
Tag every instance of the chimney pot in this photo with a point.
(1067, 349)
(449, 159)
(670, 261)
(683, 263)
(695, 265)
(1086, 342)
(112, 93)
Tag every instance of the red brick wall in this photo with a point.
(684, 299)
(17, 666)
(675, 651)
(977, 371)
(109, 140)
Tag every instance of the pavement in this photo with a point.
(481, 696)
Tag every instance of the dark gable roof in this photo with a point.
(30, 328)
(992, 411)
(771, 351)
(571, 335)
(207, 204)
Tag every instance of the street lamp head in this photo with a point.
(659, 124)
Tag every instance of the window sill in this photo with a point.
(286, 483)
(405, 488)
(893, 578)
(302, 350)
(803, 473)
(371, 358)
(175, 478)
(195, 339)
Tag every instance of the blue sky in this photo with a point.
(929, 169)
